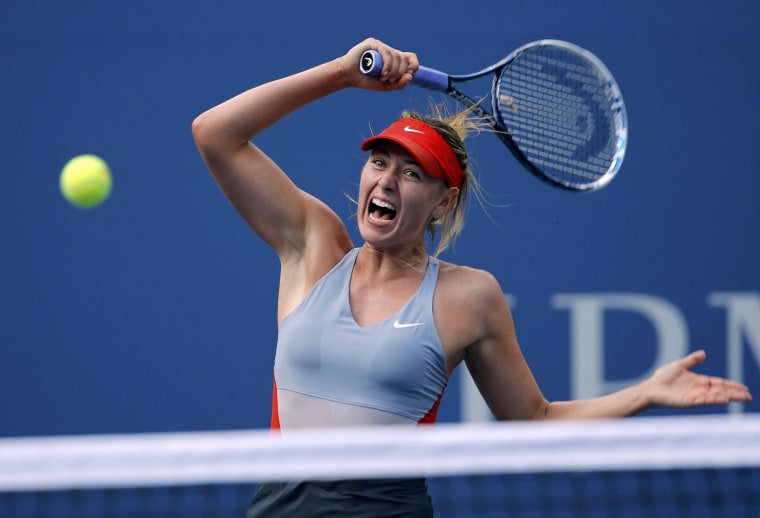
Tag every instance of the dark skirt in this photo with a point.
(376, 498)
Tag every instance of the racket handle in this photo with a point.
(371, 63)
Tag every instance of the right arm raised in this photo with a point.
(279, 212)
(308, 236)
(258, 189)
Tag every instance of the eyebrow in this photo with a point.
(381, 148)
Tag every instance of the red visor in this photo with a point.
(426, 145)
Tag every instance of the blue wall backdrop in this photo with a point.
(156, 311)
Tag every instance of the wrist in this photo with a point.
(643, 397)
(342, 73)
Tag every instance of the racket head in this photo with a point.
(562, 113)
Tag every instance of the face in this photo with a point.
(397, 200)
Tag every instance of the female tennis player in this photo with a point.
(369, 334)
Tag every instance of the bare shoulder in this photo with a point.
(470, 307)
(467, 284)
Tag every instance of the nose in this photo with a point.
(387, 181)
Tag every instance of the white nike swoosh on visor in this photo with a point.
(409, 129)
(399, 325)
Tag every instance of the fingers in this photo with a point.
(693, 359)
(733, 390)
(717, 390)
(397, 64)
(398, 67)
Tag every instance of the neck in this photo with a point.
(412, 259)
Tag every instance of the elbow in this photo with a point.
(212, 137)
(201, 132)
(206, 138)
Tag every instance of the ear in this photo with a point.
(446, 202)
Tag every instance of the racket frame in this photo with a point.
(371, 64)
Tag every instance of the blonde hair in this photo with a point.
(454, 128)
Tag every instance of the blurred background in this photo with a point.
(156, 310)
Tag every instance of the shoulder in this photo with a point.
(465, 282)
(472, 296)
(470, 307)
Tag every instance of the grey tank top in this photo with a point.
(329, 371)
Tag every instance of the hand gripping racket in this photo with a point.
(555, 106)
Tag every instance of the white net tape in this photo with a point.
(713, 441)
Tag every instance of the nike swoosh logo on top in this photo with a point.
(409, 129)
(399, 325)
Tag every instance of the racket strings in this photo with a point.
(560, 114)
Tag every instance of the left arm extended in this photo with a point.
(507, 385)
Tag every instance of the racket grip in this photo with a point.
(371, 63)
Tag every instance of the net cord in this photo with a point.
(159, 459)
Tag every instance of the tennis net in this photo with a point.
(647, 466)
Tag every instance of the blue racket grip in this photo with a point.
(371, 63)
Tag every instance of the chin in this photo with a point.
(374, 236)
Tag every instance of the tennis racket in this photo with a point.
(553, 104)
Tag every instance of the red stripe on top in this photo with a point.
(432, 414)
(275, 423)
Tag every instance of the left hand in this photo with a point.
(675, 385)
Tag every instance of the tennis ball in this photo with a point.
(86, 181)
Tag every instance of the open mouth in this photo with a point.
(381, 211)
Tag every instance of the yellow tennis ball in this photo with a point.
(86, 181)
